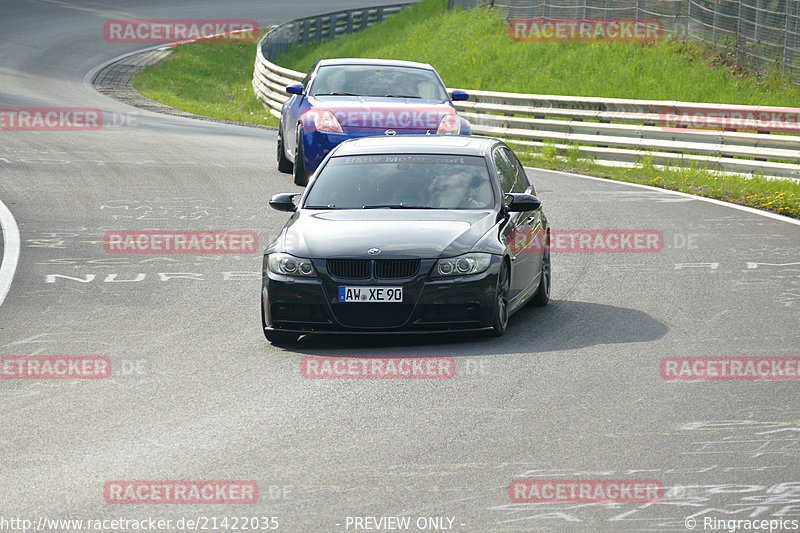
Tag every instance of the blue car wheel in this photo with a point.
(284, 165)
(300, 172)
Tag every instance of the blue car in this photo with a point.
(348, 98)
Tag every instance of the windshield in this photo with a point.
(406, 181)
(378, 80)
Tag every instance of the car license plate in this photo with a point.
(370, 294)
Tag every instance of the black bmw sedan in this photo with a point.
(407, 234)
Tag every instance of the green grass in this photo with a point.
(210, 79)
(777, 196)
(472, 50)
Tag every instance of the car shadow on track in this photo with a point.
(562, 325)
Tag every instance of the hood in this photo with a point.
(399, 233)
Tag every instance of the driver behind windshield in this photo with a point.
(404, 181)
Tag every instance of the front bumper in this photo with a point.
(303, 305)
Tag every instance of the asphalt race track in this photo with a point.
(572, 391)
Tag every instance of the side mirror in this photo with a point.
(517, 201)
(295, 88)
(283, 202)
(458, 94)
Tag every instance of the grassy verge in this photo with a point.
(210, 79)
(777, 196)
(472, 49)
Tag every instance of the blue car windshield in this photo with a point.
(378, 80)
(407, 181)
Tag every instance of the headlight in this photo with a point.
(449, 125)
(289, 265)
(321, 120)
(462, 265)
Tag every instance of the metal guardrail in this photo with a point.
(269, 79)
(614, 130)
(608, 130)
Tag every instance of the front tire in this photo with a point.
(501, 302)
(542, 295)
(284, 165)
(300, 172)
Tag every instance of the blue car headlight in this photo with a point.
(321, 120)
(449, 125)
(462, 265)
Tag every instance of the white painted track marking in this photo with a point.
(746, 209)
(11, 247)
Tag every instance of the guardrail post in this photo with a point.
(318, 30)
(364, 19)
(379, 17)
(349, 28)
(332, 27)
(306, 26)
(295, 34)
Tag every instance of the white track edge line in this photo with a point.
(11, 249)
(744, 208)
